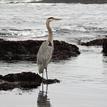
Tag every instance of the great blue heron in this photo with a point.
(44, 54)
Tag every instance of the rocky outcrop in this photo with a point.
(27, 50)
(95, 42)
(24, 80)
(105, 47)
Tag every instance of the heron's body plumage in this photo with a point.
(44, 55)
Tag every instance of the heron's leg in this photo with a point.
(42, 87)
(46, 89)
(46, 74)
(42, 77)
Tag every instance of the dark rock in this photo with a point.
(105, 47)
(27, 50)
(1, 77)
(96, 42)
(7, 85)
(64, 50)
(24, 76)
(50, 81)
(24, 80)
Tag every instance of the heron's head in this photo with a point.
(50, 19)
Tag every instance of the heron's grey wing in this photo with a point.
(44, 54)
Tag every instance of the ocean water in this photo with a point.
(27, 20)
(83, 78)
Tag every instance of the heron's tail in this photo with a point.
(40, 68)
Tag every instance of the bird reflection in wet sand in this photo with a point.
(43, 100)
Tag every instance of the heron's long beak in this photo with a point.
(57, 18)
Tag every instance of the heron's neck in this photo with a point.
(50, 37)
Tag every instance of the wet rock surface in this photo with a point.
(105, 47)
(97, 42)
(24, 80)
(27, 50)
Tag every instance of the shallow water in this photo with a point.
(83, 82)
